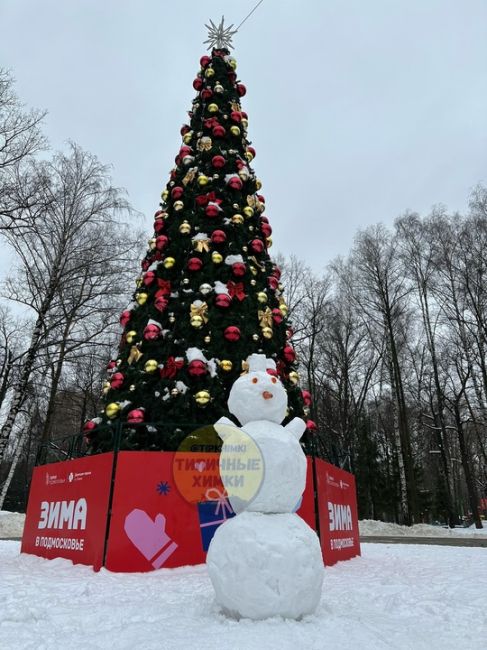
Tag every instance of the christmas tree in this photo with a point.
(209, 294)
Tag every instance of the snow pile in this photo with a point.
(371, 527)
(395, 596)
(11, 524)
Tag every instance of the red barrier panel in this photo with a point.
(68, 509)
(337, 509)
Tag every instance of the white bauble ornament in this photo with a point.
(266, 565)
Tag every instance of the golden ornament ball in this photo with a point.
(253, 270)
(216, 257)
(209, 72)
(185, 228)
(178, 206)
(106, 387)
(245, 123)
(169, 262)
(196, 321)
(202, 397)
(237, 219)
(164, 195)
(112, 409)
(226, 365)
(232, 63)
(141, 298)
(248, 211)
(244, 174)
(187, 137)
(130, 336)
(212, 108)
(248, 156)
(150, 365)
(268, 241)
(262, 297)
(258, 183)
(294, 377)
(234, 130)
(218, 88)
(267, 332)
(152, 243)
(138, 282)
(207, 339)
(253, 282)
(203, 180)
(283, 309)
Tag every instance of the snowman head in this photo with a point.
(258, 395)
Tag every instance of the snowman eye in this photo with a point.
(274, 380)
(255, 380)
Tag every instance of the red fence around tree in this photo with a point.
(130, 511)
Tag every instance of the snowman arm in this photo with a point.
(222, 427)
(296, 427)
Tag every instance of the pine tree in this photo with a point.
(209, 294)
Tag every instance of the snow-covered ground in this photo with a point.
(395, 596)
(385, 529)
(11, 524)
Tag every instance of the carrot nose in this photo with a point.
(267, 395)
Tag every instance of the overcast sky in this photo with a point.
(358, 110)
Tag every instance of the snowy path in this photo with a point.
(396, 597)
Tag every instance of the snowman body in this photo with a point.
(266, 561)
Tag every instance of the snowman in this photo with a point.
(266, 561)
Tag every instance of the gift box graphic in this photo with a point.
(212, 513)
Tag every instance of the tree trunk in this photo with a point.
(471, 489)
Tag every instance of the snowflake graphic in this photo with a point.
(163, 488)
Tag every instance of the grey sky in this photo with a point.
(358, 110)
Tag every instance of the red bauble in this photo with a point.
(185, 151)
(273, 282)
(311, 426)
(259, 196)
(177, 192)
(273, 372)
(235, 183)
(194, 264)
(152, 332)
(145, 264)
(206, 93)
(185, 129)
(218, 237)
(136, 416)
(257, 246)
(232, 333)
(218, 131)
(205, 61)
(276, 272)
(89, 426)
(289, 354)
(244, 115)
(148, 278)
(197, 368)
(125, 317)
(223, 300)
(218, 162)
(264, 219)
(159, 225)
(111, 364)
(306, 395)
(117, 380)
(240, 164)
(241, 90)
(266, 229)
(161, 242)
(277, 316)
(212, 210)
(197, 85)
(161, 303)
(232, 77)
(252, 151)
(239, 269)
(201, 200)
(236, 116)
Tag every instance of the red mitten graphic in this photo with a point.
(149, 537)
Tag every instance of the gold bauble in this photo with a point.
(216, 257)
(268, 241)
(141, 298)
(253, 282)
(164, 195)
(130, 336)
(234, 130)
(138, 282)
(212, 108)
(106, 387)
(232, 63)
(258, 183)
(244, 123)
(187, 137)
(150, 365)
(196, 321)
(283, 309)
(249, 156)
(248, 211)
(237, 219)
(169, 262)
(112, 410)
(253, 270)
(185, 228)
(226, 365)
(267, 332)
(209, 72)
(152, 243)
(294, 377)
(244, 174)
(262, 297)
(207, 339)
(202, 397)
(218, 88)
(255, 337)
(178, 206)
(203, 180)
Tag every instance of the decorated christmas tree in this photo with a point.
(209, 294)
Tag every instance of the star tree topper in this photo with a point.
(220, 37)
